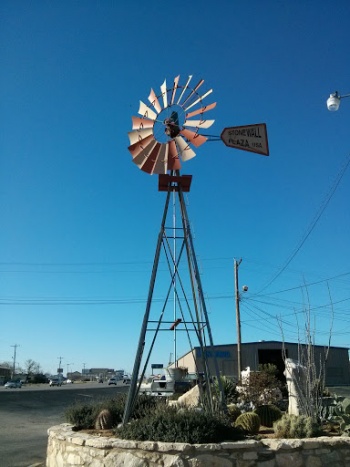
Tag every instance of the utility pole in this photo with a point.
(238, 318)
(14, 360)
(60, 370)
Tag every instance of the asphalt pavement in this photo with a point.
(27, 413)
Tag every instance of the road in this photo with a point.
(27, 413)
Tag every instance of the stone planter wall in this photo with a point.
(70, 448)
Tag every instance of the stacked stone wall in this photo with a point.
(69, 448)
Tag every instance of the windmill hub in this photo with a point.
(172, 129)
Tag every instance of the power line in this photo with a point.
(305, 285)
(314, 222)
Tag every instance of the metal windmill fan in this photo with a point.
(164, 134)
(160, 139)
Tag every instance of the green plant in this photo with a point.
(104, 420)
(233, 412)
(229, 389)
(84, 416)
(248, 422)
(268, 414)
(81, 415)
(184, 426)
(146, 404)
(341, 415)
(293, 426)
(262, 387)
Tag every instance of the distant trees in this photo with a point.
(31, 367)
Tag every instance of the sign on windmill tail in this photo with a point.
(251, 138)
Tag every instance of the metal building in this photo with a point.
(263, 352)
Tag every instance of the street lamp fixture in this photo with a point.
(333, 101)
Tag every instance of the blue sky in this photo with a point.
(80, 221)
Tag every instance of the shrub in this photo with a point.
(84, 415)
(248, 422)
(293, 426)
(229, 389)
(268, 414)
(146, 404)
(262, 387)
(81, 415)
(168, 424)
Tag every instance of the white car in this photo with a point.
(13, 384)
(112, 381)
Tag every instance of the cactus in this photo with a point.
(341, 415)
(249, 422)
(233, 412)
(104, 420)
(293, 426)
(268, 414)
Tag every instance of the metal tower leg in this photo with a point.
(134, 387)
(200, 326)
(192, 257)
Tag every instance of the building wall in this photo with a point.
(254, 353)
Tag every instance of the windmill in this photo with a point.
(164, 135)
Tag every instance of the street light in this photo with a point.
(68, 365)
(333, 101)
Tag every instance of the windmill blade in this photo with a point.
(139, 135)
(151, 159)
(186, 152)
(173, 157)
(154, 101)
(139, 123)
(176, 82)
(146, 112)
(141, 158)
(161, 164)
(137, 148)
(199, 99)
(199, 123)
(164, 92)
(184, 89)
(201, 110)
(193, 137)
(194, 90)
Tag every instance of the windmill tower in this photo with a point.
(161, 138)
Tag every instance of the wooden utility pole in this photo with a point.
(13, 372)
(238, 319)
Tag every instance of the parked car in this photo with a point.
(13, 384)
(55, 382)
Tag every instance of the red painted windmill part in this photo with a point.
(160, 139)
